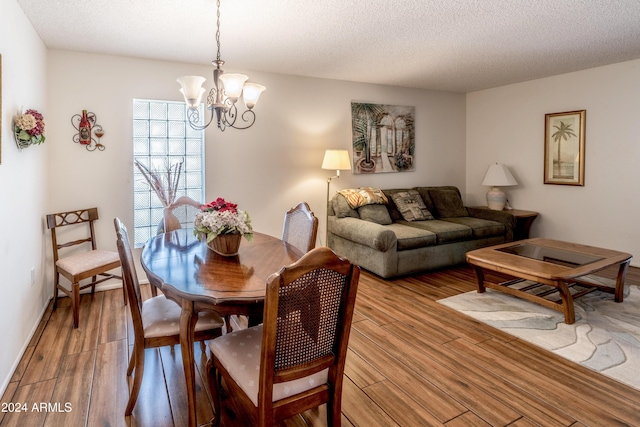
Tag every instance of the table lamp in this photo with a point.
(498, 175)
(334, 160)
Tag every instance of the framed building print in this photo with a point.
(383, 138)
(564, 135)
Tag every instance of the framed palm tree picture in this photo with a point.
(383, 138)
(564, 135)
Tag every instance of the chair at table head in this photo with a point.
(302, 342)
(76, 266)
(300, 227)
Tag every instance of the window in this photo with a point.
(162, 136)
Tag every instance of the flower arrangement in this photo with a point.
(29, 129)
(222, 217)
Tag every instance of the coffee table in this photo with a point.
(544, 267)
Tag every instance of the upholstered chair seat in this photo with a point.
(161, 317)
(239, 353)
(87, 261)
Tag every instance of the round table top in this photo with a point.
(183, 267)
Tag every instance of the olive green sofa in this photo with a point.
(389, 242)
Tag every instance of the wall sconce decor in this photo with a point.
(85, 124)
(28, 129)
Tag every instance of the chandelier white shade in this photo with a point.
(221, 101)
(498, 175)
(192, 89)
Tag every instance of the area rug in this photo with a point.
(605, 336)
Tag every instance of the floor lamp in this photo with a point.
(333, 160)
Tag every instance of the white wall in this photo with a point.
(22, 188)
(266, 169)
(506, 125)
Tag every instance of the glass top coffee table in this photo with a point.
(544, 267)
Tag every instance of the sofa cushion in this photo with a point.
(412, 237)
(364, 196)
(479, 227)
(341, 208)
(424, 193)
(446, 231)
(411, 206)
(375, 213)
(448, 203)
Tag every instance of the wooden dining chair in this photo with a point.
(300, 227)
(294, 361)
(156, 321)
(77, 265)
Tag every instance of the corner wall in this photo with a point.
(506, 125)
(23, 196)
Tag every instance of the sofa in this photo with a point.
(403, 231)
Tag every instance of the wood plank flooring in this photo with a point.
(411, 362)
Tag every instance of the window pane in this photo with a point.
(162, 137)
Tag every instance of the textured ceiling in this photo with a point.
(452, 45)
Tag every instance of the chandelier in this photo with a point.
(223, 97)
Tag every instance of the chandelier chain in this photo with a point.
(222, 107)
(218, 29)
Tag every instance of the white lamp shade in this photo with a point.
(498, 175)
(336, 160)
(233, 84)
(251, 93)
(192, 89)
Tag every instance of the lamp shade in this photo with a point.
(498, 175)
(336, 160)
(251, 93)
(192, 89)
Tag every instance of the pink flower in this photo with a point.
(220, 205)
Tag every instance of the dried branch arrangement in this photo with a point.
(163, 182)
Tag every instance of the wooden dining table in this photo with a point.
(198, 279)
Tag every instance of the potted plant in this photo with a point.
(222, 226)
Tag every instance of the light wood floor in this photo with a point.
(411, 362)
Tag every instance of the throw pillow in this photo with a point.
(341, 208)
(375, 213)
(364, 196)
(411, 206)
(394, 213)
(448, 203)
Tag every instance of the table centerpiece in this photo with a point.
(222, 226)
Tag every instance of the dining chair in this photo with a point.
(76, 265)
(156, 321)
(300, 227)
(181, 213)
(298, 351)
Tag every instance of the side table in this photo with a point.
(524, 219)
